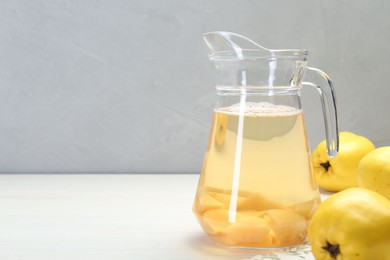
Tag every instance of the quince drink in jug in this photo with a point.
(251, 149)
(256, 187)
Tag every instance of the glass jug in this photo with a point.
(256, 188)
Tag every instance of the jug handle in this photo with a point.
(329, 109)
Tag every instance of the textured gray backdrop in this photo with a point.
(125, 86)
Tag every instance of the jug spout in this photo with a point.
(230, 44)
(241, 62)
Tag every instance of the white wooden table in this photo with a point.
(103, 216)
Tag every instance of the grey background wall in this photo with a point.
(125, 86)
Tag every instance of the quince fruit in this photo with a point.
(340, 172)
(351, 224)
(374, 171)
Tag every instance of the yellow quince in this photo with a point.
(374, 171)
(340, 172)
(351, 224)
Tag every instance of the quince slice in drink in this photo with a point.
(307, 208)
(215, 221)
(207, 202)
(225, 198)
(252, 213)
(249, 232)
(220, 128)
(289, 228)
(258, 202)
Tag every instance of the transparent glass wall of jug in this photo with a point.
(256, 188)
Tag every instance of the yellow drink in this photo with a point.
(256, 187)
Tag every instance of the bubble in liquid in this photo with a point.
(259, 109)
